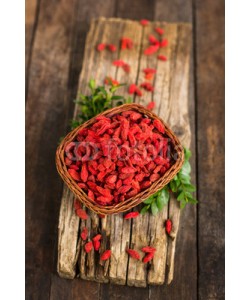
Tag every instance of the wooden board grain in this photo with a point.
(211, 148)
(46, 102)
(172, 76)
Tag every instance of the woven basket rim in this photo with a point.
(137, 199)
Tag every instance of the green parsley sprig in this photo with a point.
(100, 100)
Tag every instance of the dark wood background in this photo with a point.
(55, 37)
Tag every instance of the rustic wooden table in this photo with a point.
(55, 36)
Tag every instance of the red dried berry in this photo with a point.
(127, 170)
(68, 161)
(118, 63)
(151, 105)
(97, 237)
(148, 249)
(111, 179)
(149, 71)
(82, 185)
(91, 195)
(126, 43)
(144, 22)
(84, 172)
(74, 174)
(134, 254)
(159, 30)
(81, 213)
(104, 192)
(106, 255)
(147, 86)
(97, 245)
(151, 49)
(138, 92)
(88, 247)
(131, 215)
(84, 233)
(77, 204)
(126, 68)
(159, 126)
(149, 76)
(162, 57)
(132, 88)
(101, 47)
(163, 43)
(148, 257)
(168, 226)
(153, 40)
(112, 48)
(154, 177)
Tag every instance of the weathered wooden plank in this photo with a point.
(178, 119)
(45, 121)
(114, 228)
(211, 147)
(120, 234)
(68, 243)
(31, 18)
(183, 286)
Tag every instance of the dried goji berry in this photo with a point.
(112, 48)
(159, 126)
(168, 226)
(101, 47)
(145, 184)
(111, 179)
(151, 49)
(126, 68)
(126, 43)
(118, 63)
(106, 255)
(88, 247)
(68, 161)
(74, 174)
(149, 76)
(149, 71)
(162, 57)
(82, 214)
(163, 43)
(147, 86)
(151, 105)
(131, 215)
(148, 257)
(97, 237)
(159, 30)
(84, 172)
(124, 189)
(148, 249)
(133, 253)
(77, 204)
(144, 22)
(97, 245)
(84, 233)
(132, 88)
(91, 195)
(153, 40)
(104, 200)
(154, 177)
(82, 185)
(127, 170)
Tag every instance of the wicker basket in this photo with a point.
(128, 203)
